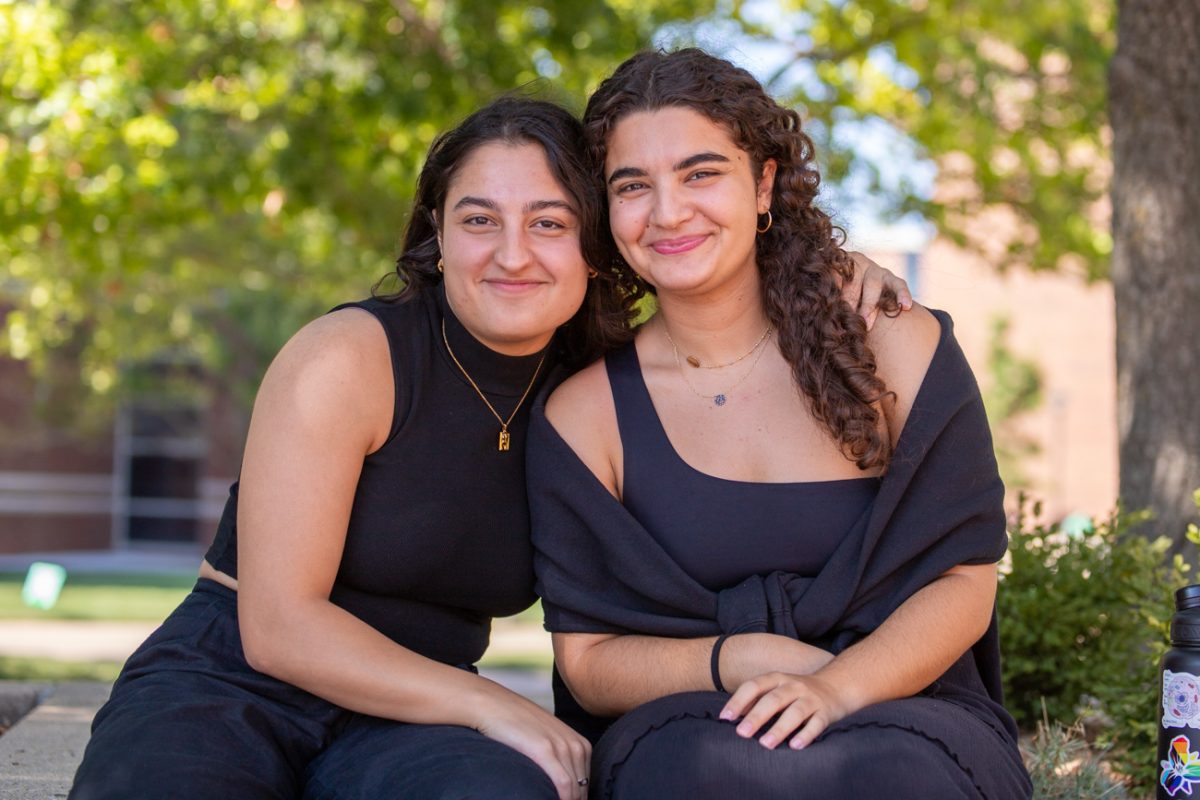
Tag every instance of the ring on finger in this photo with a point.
(582, 781)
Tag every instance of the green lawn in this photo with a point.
(141, 597)
(101, 596)
(47, 669)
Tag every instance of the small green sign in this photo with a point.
(43, 583)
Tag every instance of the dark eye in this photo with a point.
(549, 224)
(633, 186)
(476, 220)
(701, 174)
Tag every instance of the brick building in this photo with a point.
(156, 474)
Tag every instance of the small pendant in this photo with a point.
(719, 399)
(695, 362)
(505, 439)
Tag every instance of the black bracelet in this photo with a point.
(714, 662)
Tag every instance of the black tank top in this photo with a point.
(438, 538)
(722, 531)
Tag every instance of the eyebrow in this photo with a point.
(491, 205)
(687, 163)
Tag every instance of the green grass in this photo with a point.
(101, 597)
(518, 661)
(47, 669)
(123, 597)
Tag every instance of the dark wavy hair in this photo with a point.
(800, 258)
(604, 321)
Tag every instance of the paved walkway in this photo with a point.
(39, 753)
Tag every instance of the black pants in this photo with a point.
(189, 718)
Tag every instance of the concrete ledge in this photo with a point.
(38, 755)
(40, 752)
(17, 698)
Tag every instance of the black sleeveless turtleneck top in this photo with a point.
(438, 538)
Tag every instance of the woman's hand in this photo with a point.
(865, 290)
(517, 722)
(806, 705)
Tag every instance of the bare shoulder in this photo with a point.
(904, 346)
(338, 365)
(583, 413)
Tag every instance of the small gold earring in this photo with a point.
(441, 266)
(770, 222)
(592, 273)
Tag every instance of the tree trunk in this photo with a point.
(1154, 107)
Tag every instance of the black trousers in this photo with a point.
(189, 718)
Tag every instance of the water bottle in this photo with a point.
(1179, 732)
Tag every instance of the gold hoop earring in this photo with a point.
(441, 265)
(767, 227)
(593, 273)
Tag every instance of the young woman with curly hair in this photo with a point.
(766, 537)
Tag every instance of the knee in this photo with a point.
(508, 776)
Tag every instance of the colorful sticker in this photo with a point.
(1180, 700)
(1181, 769)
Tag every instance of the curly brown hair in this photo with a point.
(800, 257)
(605, 319)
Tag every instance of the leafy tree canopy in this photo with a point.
(197, 178)
(1007, 97)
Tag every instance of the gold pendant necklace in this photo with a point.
(695, 362)
(505, 437)
(720, 398)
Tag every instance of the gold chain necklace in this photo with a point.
(695, 362)
(505, 438)
(720, 398)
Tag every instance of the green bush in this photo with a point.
(1064, 767)
(1083, 626)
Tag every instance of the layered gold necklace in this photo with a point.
(720, 398)
(505, 437)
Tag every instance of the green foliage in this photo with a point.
(15, 668)
(197, 178)
(1014, 388)
(1083, 622)
(1064, 767)
(1008, 97)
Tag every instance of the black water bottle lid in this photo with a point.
(1187, 597)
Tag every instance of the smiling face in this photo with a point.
(509, 237)
(684, 200)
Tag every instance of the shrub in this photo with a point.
(1083, 626)
(1064, 767)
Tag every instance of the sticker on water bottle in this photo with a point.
(1180, 700)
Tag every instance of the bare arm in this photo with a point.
(325, 403)
(947, 616)
(610, 674)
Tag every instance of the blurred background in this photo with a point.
(184, 183)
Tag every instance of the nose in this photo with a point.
(670, 208)
(513, 252)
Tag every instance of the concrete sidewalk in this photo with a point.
(39, 755)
